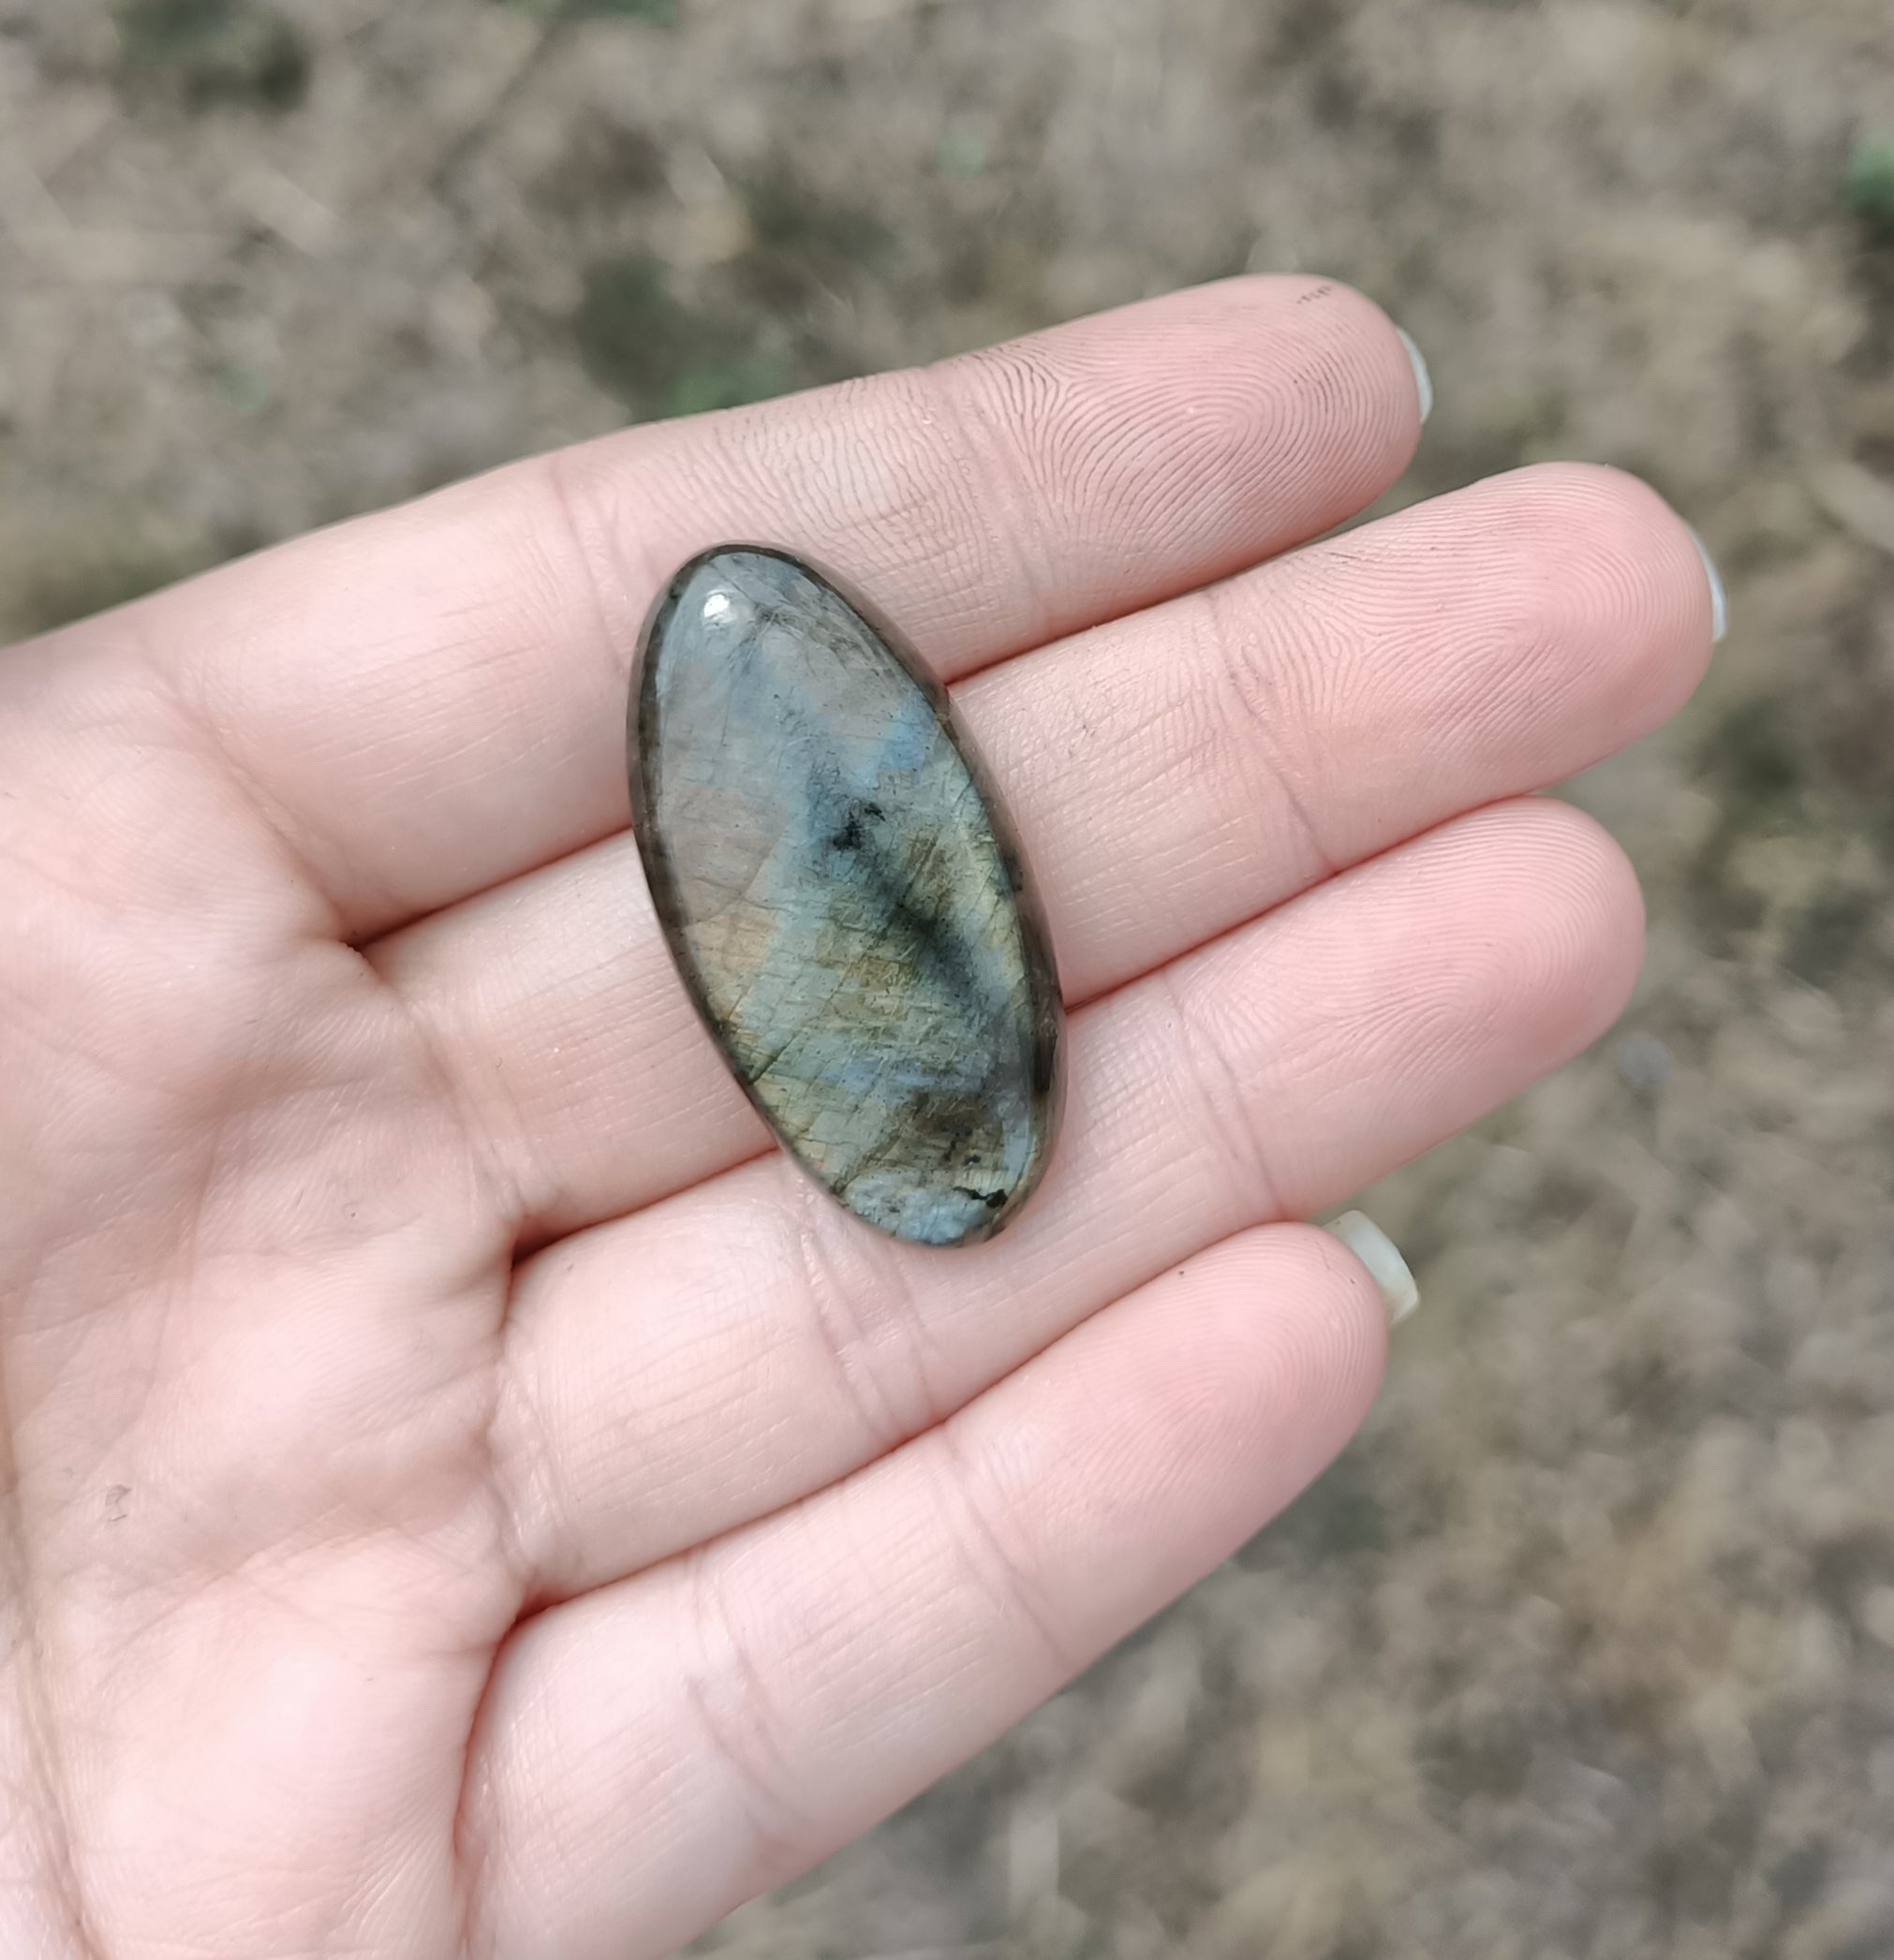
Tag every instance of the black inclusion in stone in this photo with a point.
(843, 897)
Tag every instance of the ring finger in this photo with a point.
(742, 1344)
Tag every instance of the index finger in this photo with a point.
(431, 701)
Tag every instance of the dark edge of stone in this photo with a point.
(1048, 1009)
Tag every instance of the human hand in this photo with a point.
(467, 1494)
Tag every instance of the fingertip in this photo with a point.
(1305, 1319)
(1296, 379)
(1580, 947)
(1614, 575)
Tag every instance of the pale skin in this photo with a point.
(466, 1495)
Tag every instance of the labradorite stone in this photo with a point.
(843, 897)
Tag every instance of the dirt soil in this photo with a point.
(1586, 1647)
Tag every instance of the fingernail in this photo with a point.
(1385, 1267)
(1719, 599)
(1422, 381)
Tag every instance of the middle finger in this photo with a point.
(1173, 774)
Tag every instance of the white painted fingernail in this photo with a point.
(1422, 381)
(1719, 599)
(1385, 1267)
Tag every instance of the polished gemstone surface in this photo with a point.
(844, 897)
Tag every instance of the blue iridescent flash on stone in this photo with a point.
(844, 897)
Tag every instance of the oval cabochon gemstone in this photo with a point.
(843, 897)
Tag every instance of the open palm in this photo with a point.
(466, 1493)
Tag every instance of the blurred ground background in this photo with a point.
(1586, 1647)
